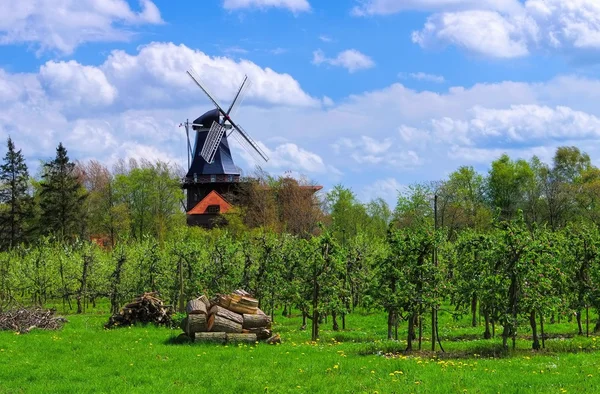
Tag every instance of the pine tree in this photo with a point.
(62, 196)
(14, 197)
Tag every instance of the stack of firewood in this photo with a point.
(145, 308)
(233, 317)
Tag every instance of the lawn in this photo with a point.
(84, 357)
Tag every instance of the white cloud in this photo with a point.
(386, 7)
(350, 59)
(76, 85)
(552, 25)
(156, 76)
(292, 5)
(503, 38)
(287, 157)
(325, 38)
(63, 25)
(387, 188)
(421, 76)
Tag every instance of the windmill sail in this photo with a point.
(248, 143)
(213, 139)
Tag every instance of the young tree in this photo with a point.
(14, 197)
(61, 198)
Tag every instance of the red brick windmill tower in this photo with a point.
(211, 170)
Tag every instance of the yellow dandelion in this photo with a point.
(336, 366)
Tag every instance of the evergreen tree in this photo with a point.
(61, 198)
(14, 197)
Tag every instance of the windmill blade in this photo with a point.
(211, 144)
(239, 97)
(196, 79)
(249, 144)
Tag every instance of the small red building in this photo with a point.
(206, 212)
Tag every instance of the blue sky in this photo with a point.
(374, 94)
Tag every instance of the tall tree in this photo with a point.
(14, 197)
(61, 198)
(508, 182)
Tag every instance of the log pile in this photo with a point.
(230, 318)
(25, 320)
(145, 308)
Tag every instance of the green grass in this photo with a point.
(84, 357)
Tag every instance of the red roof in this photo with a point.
(212, 198)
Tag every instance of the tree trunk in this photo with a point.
(579, 327)
(315, 306)
(433, 325)
(303, 327)
(411, 332)
(505, 335)
(335, 327)
(542, 331)
(474, 311)
(83, 283)
(487, 334)
(587, 321)
(536, 341)
(390, 324)
(420, 329)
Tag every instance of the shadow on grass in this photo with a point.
(180, 339)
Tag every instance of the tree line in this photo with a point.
(517, 246)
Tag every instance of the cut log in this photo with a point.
(218, 323)
(261, 333)
(241, 338)
(220, 311)
(196, 323)
(255, 321)
(223, 301)
(218, 337)
(240, 308)
(244, 301)
(204, 299)
(195, 307)
(242, 292)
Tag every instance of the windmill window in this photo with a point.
(229, 178)
(213, 209)
(213, 178)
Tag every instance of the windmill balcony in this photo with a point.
(200, 179)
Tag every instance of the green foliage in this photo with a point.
(15, 201)
(61, 198)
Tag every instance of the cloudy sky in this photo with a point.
(374, 94)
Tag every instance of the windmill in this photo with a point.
(210, 164)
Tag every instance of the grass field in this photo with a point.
(84, 357)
